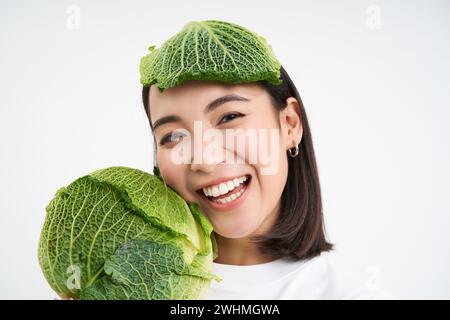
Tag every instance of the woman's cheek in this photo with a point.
(173, 173)
(166, 167)
(244, 142)
(260, 147)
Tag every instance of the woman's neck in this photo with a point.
(239, 252)
(243, 251)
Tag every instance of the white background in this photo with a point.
(376, 92)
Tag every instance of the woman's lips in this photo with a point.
(234, 203)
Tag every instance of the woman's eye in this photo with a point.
(231, 116)
(170, 137)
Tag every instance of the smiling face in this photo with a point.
(236, 208)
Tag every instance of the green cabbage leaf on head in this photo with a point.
(210, 50)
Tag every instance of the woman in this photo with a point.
(218, 79)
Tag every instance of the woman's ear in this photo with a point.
(291, 123)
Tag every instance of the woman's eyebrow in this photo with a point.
(164, 120)
(210, 107)
(220, 101)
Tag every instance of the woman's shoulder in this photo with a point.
(322, 278)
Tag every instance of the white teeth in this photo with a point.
(230, 198)
(215, 191)
(224, 187)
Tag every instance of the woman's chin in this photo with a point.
(236, 232)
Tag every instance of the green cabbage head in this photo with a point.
(121, 233)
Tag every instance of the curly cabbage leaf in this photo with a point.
(210, 50)
(121, 233)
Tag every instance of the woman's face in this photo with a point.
(260, 157)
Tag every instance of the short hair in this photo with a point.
(299, 231)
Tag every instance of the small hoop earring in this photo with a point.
(293, 155)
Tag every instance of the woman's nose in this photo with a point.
(207, 168)
(206, 155)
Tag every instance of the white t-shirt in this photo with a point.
(315, 278)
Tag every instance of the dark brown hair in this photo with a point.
(299, 232)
